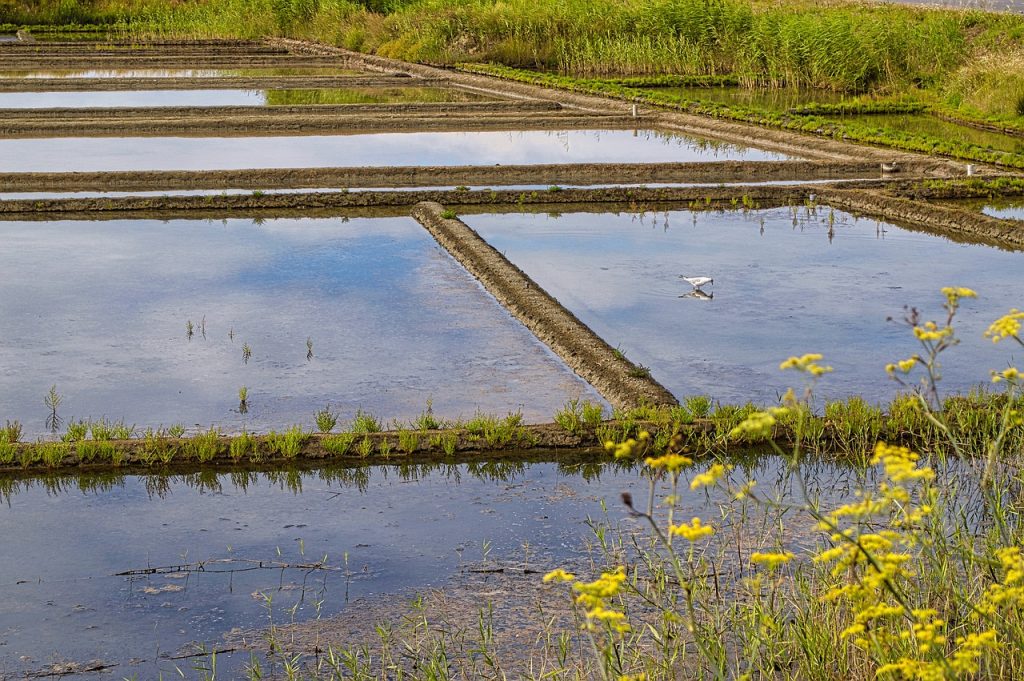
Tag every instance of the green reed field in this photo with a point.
(973, 59)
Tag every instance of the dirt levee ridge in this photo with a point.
(622, 383)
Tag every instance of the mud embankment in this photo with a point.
(268, 121)
(548, 175)
(957, 223)
(72, 114)
(503, 200)
(624, 384)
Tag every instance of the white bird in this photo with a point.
(697, 282)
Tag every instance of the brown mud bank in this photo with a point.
(955, 223)
(860, 197)
(477, 108)
(624, 384)
(271, 122)
(698, 172)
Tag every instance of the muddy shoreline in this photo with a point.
(424, 176)
(270, 122)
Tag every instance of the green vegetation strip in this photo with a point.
(846, 429)
(846, 131)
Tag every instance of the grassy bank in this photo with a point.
(795, 43)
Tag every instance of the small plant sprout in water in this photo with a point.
(326, 419)
(309, 349)
(202, 327)
(53, 400)
(231, 334)
(190, 329)
(246, 353)
(243, 400)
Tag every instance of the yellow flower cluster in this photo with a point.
(594, 597)
(931, 332)
(900, 464)
(1011, 375)
(673, 463)
(759, 424)
(710, 477)
(559, 575)
(904, 365)
(633, 677)
(1008, 594)
(692, 531)
(771, 561)
(1007, 326)
(928, 630)
(625, 450)
(807, 363)
(955, 293)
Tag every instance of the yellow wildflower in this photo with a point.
(771, 560)
(970, 650)
(670, 462)
(757, 425)
(807, 363)
(955, 293)
(559, 575)
(931, 332)
(1011, 374)
(692, 531)
(1006, 326)
(710, 477)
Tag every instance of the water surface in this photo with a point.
(382, 149)
(782, 287)
(101, 309)
(199, 98)
(383, 533)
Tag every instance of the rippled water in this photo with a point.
(100, 310)
(782, 286)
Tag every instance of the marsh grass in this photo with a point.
(287, 444)
(338, 444)
(242, 446)
(325, 419)
(364, 422)
(206, 446)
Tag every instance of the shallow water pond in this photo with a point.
(199, 98)
(383, 149)
(782, 286)
(924, 124)
(218, 547)
(101, 311)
